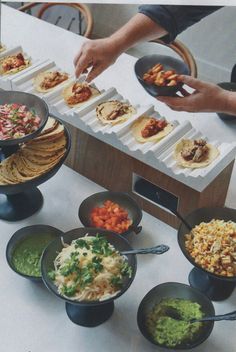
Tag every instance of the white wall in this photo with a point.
(212, 40)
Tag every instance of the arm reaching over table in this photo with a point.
(152, 22)
(206, 97)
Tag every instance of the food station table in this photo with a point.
(32, 319)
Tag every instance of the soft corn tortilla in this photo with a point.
(14, 70)
(212, 155)
(139, 125)
(67, 92)
(50, 126)
(50, 136)
(39, 79)
(107, 107)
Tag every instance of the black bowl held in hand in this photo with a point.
(25, 248)
(174, 290)
(216, 287)
(169, 63)
(88, 313)
(124, 200)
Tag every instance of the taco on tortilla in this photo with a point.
(149, 129)
(195, 153)
(46, 81)
(78, 93)
(114, 111)
(13, 63)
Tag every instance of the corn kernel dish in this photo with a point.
(213, 246)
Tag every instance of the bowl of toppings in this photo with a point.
(85, 267)
(24, 249)
(158, 74)
(22, 117)
(165, 313)
(113, 211)
(211, 246)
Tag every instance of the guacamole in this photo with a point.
(26, 257)
(168, 322)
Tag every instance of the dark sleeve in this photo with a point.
(175, 19)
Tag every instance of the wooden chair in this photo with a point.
(180, 49)
(84, 12)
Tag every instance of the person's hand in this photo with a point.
(207, 97)
(96, 54)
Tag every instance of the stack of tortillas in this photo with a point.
(36, 157)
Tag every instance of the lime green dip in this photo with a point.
(166, 330)
(26, 257)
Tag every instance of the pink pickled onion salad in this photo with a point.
(17, 121)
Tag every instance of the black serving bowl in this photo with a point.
(170, 63)
(86, 313)
(230, 86)
(32, 102)
(216, 287)
(27, 233)
(121, 198)
(24, 199)
(175, 290)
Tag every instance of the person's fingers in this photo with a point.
(76, 59)
(83, 63)
(95, 71)
(191, 82)
(184, 92)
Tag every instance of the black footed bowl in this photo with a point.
(175, 290)
(86, 313)
(170, 63)
(33, 237)
(121, 198)
(216, 287)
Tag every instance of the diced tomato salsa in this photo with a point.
(16, 121)
(110, 217)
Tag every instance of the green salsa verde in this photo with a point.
(168, 322)
(26, 257)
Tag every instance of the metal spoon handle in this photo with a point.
(227, 316)
(153, 250)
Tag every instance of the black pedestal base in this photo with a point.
(89, 316)
(215, 289)
(21, 205)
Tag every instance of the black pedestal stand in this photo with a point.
(214, 288)
(21, 205)
(89, 316)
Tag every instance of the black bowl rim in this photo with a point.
(191, 260)
(172, 89)
(139, 313)
(88, 303)
(123, 194)
(14, 236)
(15, 141)
(9, 188)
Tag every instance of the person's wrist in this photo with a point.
(223, 101)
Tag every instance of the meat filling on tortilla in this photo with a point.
(152, 127)
(81, 92)
(52, 79)
(113, 110)
(197, 152)
(14, 61)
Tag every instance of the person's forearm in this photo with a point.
(139, 28)
(230, 106)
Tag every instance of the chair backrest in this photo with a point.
(183, 52)
(83, 9)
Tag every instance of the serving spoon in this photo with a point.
(162, 248)
(173, 313)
